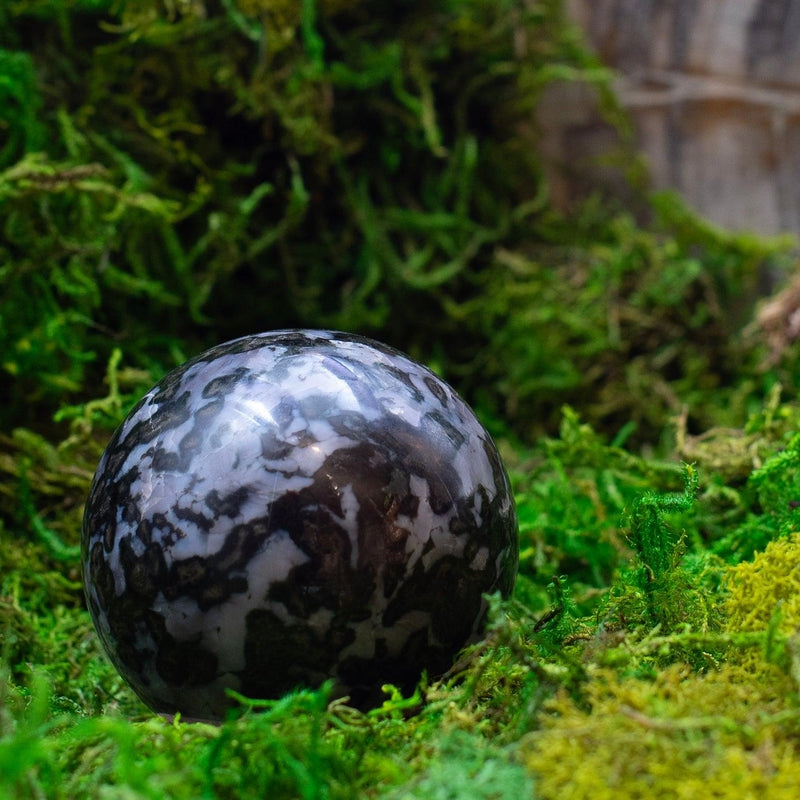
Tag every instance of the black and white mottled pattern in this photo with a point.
(293, 507)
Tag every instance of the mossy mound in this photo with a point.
(722, 734)
(766, 590)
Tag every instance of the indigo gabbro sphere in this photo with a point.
(289, 508)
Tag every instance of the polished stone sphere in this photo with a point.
(290, 508)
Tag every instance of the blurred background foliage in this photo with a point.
(176, 173)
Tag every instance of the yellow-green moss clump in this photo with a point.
(764, 595)
(766, 586)
(719, 735)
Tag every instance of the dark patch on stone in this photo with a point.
(165, 461)
(363, 678)
(144, 531)
(190, 445)
(221, 385)
(229, 505)
(200, 521)
(168, 416)
(403, 376)
(168, 534)
(437, 390)
(455, 436)
(274, 448)
(211, 580)
(180, 663)
(101, 576)
(281, 657)
(186, 577)
(145, 572)
(449, 591)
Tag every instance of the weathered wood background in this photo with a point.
(713, 87)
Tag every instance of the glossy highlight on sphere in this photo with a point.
(293, 507)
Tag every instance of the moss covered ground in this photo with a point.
(173, 174)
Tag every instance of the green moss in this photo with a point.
(369, 170)
(724, 734)
(729, 730)
(20, 102)
(766, 586)
(465, 769)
